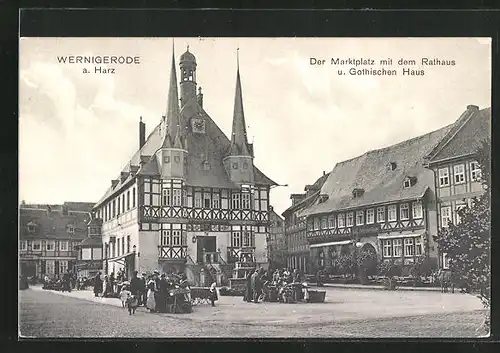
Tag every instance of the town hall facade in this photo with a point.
(190, 199)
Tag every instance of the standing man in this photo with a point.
(97, 284)
(161, 303)
(136, 286)
(144, 288)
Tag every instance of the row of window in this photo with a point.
(199, 198)
(407, 247)
(459, 174)
(54, 267)
(32, 228)
(243, 238)
(48, 245)
(362, 217)
(119, 205)
(297, 241)
(118, 247)
(446, 215)
(174, 237)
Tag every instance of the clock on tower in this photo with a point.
(198, 125)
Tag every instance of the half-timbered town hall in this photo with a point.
(190, 199)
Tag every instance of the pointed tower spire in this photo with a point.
(239, 142)
(173, 101)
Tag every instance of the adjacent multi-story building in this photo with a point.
(383, 201)
(276, 246)
(90, 255)
(456, 170)
(297, 247)
(189, 199)
(49, 236)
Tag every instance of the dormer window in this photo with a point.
(31, 227)
(357, 192)
(391, 166)
(71, 229)
(409, 182)
(322, 198)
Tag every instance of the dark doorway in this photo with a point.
(205, 245)
(28, 269)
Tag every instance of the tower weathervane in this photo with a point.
(238, 58)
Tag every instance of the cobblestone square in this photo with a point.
(346, 313)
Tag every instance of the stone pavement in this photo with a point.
(380, 287)
(340, 305)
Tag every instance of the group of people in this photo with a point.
(260, 281)
(64, 282)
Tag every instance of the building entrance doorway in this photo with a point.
(28, 269)
(206, 249)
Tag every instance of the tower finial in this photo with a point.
(238, 58)
(187, 47)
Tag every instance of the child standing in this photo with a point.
(213, 293)
(124, 295)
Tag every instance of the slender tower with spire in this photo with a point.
(239, 162)
(170, 157)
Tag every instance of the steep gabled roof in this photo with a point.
(466, 136)
(309, 199)
(213, 147)
(239, 141)
(53, 225)
(380, 184)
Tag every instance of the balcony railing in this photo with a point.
(172, 252)
(213, 258)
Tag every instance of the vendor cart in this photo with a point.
(178, 301)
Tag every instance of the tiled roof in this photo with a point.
(211, 147)
(79, 206)
(380, 184)
(311, 198)
(466, 138)
(53, 226)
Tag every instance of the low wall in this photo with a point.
(238, 284)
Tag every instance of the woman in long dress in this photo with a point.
(150, 302)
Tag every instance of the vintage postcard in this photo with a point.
(259, 187)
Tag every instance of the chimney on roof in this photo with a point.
(49, 210)
(324, 173)
(472, 107)
(142, 133)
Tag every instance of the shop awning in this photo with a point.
(397, 236)
(120, 259)
(341, 242)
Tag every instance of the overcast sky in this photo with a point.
(77, 130)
